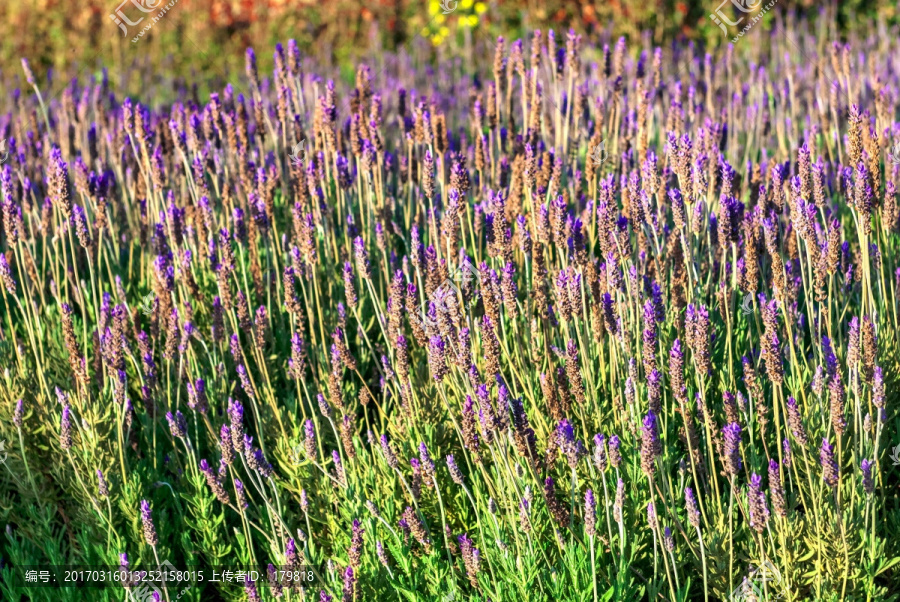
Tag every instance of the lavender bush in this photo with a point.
(586, 321)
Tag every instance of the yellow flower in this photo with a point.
(473, 20)
(443, 31)
(480, 8)
(433, 7)
(440, 19)
(436, 39)
(466, 4)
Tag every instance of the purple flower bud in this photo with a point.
(102, 487)
(339, 468)
(356, 544)
(382, 555)
(437, 358)
(756, 502)
(177, 424)
(197, 400)
(250, 589)
(650, 444)
(65, 428)
(619, 502)
(693, 512)
(615, 456)
(29, 74)
(236, 419)
(600, 456)
(309, 440)
(349, 584)
(878, 391)
(147, 522)
(565, 438)
(426, 462)
(732, 436)
(830, 470)
(241, 494)
(389, 456)
(19, 414)
(868, 483)
(795, 422)
(6, 276)
(455, 472)
(590, 513)
(362, 258)
(668, 539)
(324, 408)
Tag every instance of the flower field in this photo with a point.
(580, 321)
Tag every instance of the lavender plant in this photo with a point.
(451, 349)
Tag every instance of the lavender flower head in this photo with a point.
(427, 463)
(795, 422)
(732, 436)
(651, 447)
(309, 439)
(693, 511)
(615, 455)
(600, 455)
(382, 555)
(349, 584)
(362, 258)
(177, 424)
(324, 408)
(356, 543)
(389, 456)
(590, 513)
(830, 470)
(6, 276)
(102, 487)
(668, 539)
(455, 472)
(65, 428)
(236, 419)
(756, 502)
(19, 414)
(256, 460)
(565, 438)
(214, 481)
(619, 503)
(251, 590)
(867, 482)
(225, 444)
(437, 358)
(241, 494)
(197, 400)
(147, 523)
(339, 468)
(878, 392)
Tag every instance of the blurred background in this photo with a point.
(208, 37)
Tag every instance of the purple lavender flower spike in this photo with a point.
(732, 439)
(867, 482)
(830, 470)
(651, 447)
(756, 502)
(147, 523)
